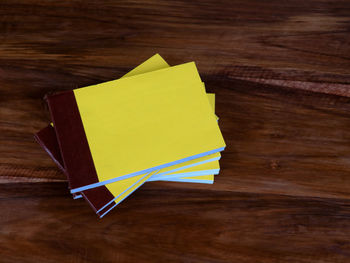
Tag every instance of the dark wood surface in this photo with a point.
(283, 194)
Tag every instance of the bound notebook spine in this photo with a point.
(73, 144)
(46, 138)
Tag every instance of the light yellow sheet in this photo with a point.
(117, 188)
(147, 135)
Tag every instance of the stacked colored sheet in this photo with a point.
(156, 123)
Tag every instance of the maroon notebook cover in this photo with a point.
(73, 144)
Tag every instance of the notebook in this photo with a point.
(195, 170)
(153, 63)
(88, 137)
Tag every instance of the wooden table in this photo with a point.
(280, 70)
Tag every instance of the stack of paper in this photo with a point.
(156, 123)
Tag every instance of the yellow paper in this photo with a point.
(124, 187)
(201, 177)
(147, 135)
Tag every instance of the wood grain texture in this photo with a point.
(167, 223)
(283, 192)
